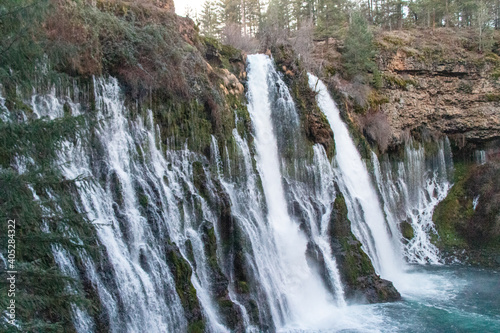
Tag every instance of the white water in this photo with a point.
(411, 189)
(302, 291)
(364, 210)
(269, 202)
(138, 292)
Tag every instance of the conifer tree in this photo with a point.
(209, 19)
(358, 53)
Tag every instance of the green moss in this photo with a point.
(197, 327)
(182, 272)
(493, 97)
(451, 213)
(399, 82)
(495, 74)
(243, 287)
(406, 230)
(330, 70)
(394, 40)
(355, 263)
(211, 248)
(143, 200)
(376, 99)
(200, 179)
(316, 128)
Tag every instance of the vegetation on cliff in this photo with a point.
(358, 274)
(190, 83)
(469, 217)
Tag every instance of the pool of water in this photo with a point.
(445, 299)
(434, 299)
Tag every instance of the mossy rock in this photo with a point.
(356, 269)
(406, 230)
(465, 228)
(197, 327)
(182, 272)
(316, 127)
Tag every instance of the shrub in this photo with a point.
(377, 129)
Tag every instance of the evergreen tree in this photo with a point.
(20, 35)
(332, 14)
(358, 53)
(209, 19)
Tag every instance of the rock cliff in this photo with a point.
(430, 79)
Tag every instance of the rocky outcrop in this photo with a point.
(468, 219)
(356, 270)
(427, 79)
(316, 126)
(450, 97)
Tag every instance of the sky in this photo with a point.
(181, 5)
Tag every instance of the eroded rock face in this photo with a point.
(356, 270)
(453, 98)
(433, 79)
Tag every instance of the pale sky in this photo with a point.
(181, 5)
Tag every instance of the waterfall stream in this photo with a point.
(278, 271)
(410, 190)
(365, 211)
(304, 293)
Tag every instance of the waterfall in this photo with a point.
(303, 296)
(145, 202)
(410, 190)
(364, 208)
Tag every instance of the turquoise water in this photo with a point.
(445, 299)
(435, 299)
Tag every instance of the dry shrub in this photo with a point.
(137, 42)
(302, 43)
(377, 129)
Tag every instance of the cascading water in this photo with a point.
(411, 189)
(365, 212)
(305, 298)
(145, 202)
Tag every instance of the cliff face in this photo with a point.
(439, 85)
(430, 83)
(429, 79)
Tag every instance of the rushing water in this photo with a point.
(365, 212)
(143, 201)
(410, 190)
(445, 299)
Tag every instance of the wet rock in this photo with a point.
(356, 270)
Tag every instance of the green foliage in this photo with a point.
(44, 295)
(20, 38)
(452, 213)
(38, 139)
(210, 19)
(182, 271)
(359, 52)
(332, 15)
(399, 82)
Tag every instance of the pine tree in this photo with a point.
(358, 53)
(209, 19)
(20, 35)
